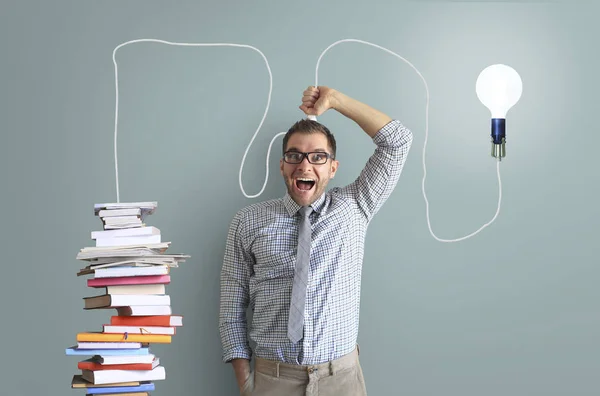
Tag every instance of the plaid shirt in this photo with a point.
(258, 267)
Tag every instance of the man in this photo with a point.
(297, 260)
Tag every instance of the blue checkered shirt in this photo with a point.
(258, 266)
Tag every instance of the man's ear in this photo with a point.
(281, 166)
(334, 167)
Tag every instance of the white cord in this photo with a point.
(426, 136)
(283, 133)
(198, 45)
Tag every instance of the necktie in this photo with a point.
(296, 319)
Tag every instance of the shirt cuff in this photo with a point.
(237, 353)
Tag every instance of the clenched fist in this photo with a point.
(317, 100)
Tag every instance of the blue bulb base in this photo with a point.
(498, 138)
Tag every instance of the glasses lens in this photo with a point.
(293, 158)
(318, 158)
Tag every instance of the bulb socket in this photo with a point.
(498, 130)
(498, 137)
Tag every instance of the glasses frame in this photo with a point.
(306, 155)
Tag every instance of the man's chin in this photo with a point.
(303, 199)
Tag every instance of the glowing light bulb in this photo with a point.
(499, 88)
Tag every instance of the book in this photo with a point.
(139, 329)
(114, 376)
(128, 241)
(120, 212)
(118, 389)
(146, 261)
(129, 280)
(141, 390)
(108, 345)
(122, 394)
(150, 249)
(125, 359)
(123, 338)
(124, 269)
(123, 300)
(131, 232)
(144, 310)
(78, 383)
(157, 288)
(130, 351)
(170, 321)
(117, 272)
(123, 226)
(92, 364)
(122, 219)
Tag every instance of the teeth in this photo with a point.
(305, 179)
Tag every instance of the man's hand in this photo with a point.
(317, 100)
(242, 371)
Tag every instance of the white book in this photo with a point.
(127, 249)
(124, 300)
(131, 271)
(120, 212)
(154, 363)
(123, 226)
(139, 330)
(153, 288)
(138, 231)
(137, 252)
(124, 359)
(100, 377)
(145, 310)
(149, 258)
(128, 241)
(96, 360)
(108, 345)
(122, 219)
(90, 269)
(136, 262)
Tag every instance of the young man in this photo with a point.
(297, 260)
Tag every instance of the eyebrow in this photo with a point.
(313, 151)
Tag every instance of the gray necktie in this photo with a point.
(296, 320)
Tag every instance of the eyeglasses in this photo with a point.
(316, 157)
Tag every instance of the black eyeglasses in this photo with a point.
(315, 157)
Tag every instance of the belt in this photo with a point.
(299, 371)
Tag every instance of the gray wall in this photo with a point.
(511, 311)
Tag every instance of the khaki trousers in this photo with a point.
(340, 377)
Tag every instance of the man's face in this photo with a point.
(305, 181)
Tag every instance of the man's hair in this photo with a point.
(308, 127)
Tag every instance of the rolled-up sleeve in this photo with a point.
(235, 278)
(382, 171)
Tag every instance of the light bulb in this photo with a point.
(499, 88)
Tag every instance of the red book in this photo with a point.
(93, 366)
(141, 321)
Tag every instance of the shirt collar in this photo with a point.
(292, 207)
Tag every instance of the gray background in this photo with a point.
(510, 311)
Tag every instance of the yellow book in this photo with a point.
(124, 337)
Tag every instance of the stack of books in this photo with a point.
(130, 271)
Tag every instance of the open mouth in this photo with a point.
(304, 184)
